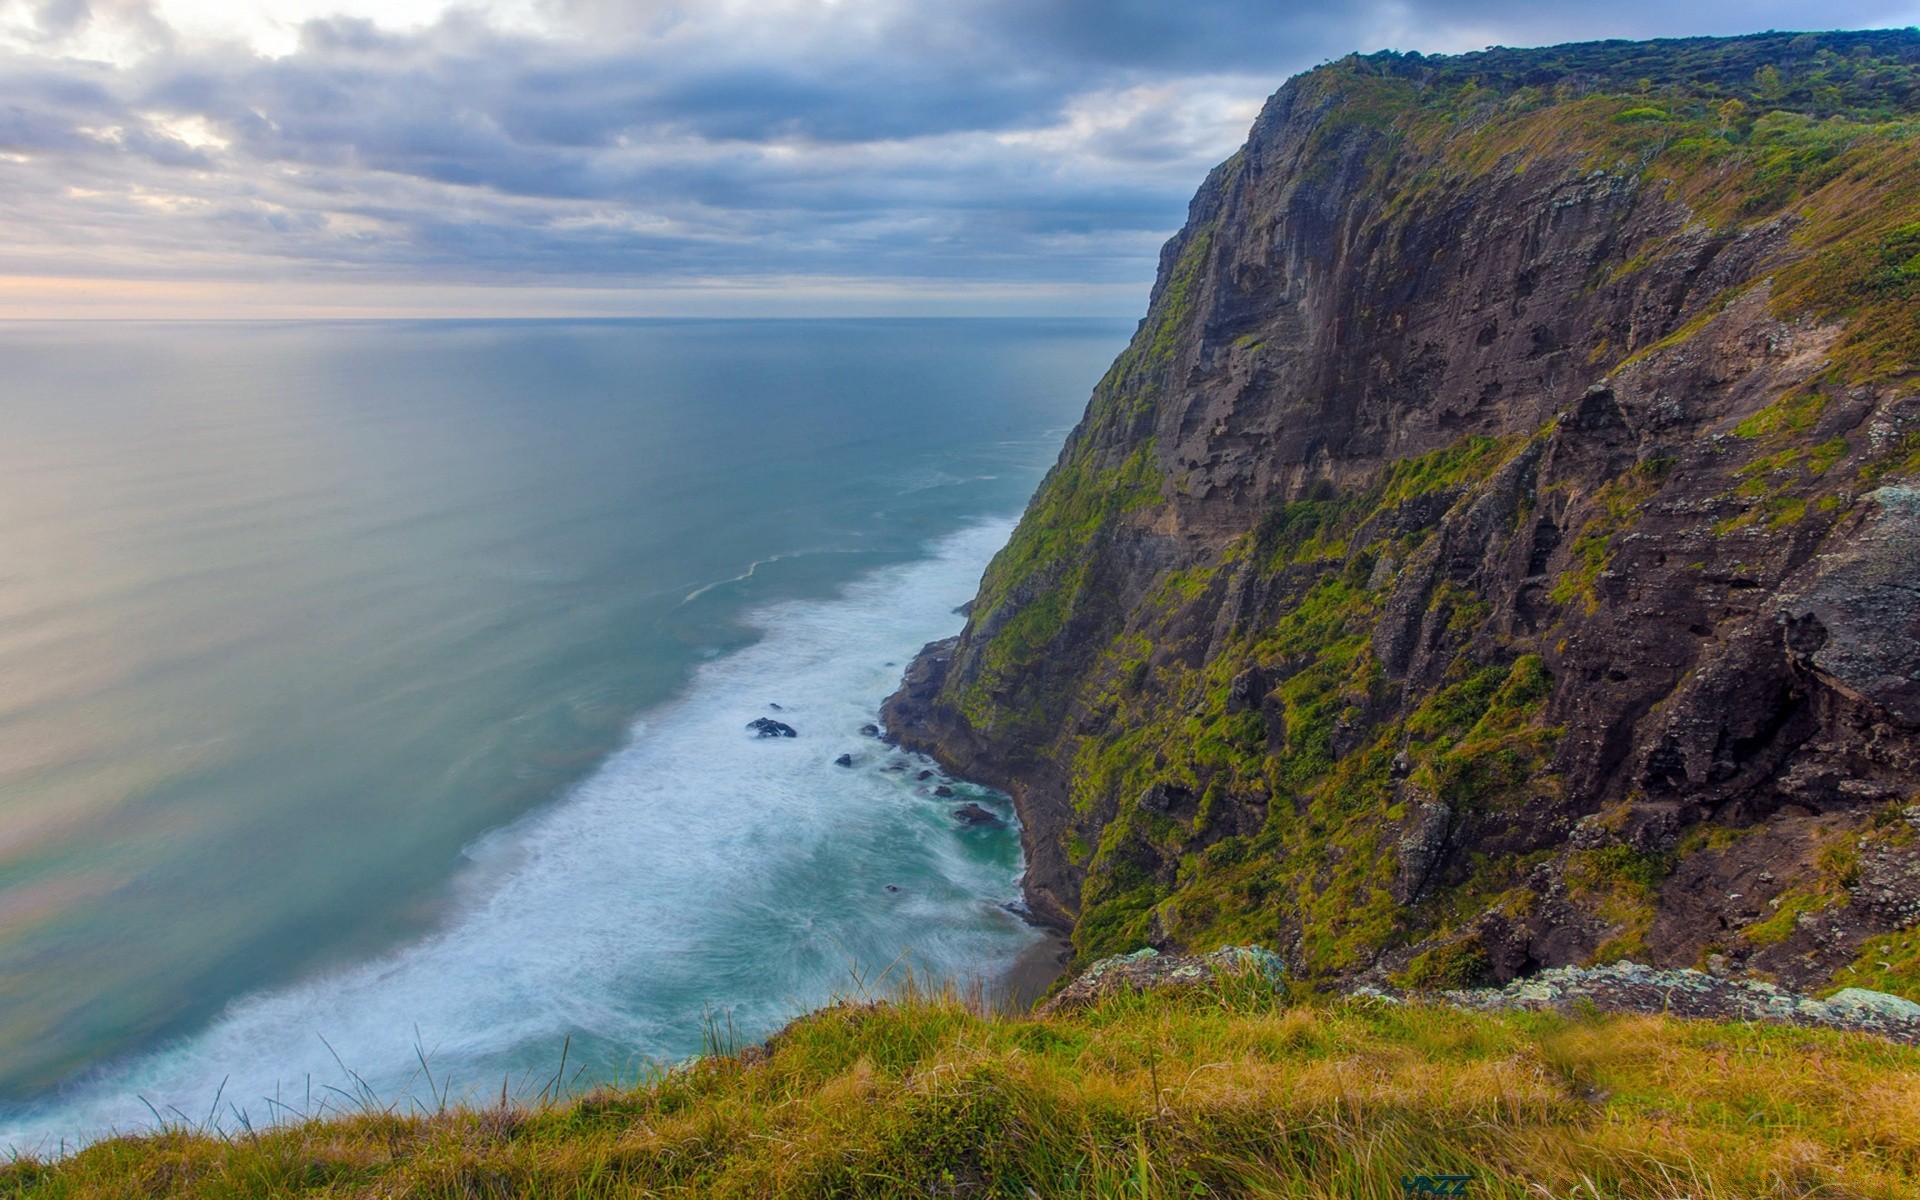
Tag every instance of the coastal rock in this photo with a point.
(1632, 987)
(1150, 970)
(845, 760)
(977, 817)
(870, 730)
(767, 727)
(943, 791)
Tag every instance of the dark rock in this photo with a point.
(1162, 798)
(977, 817)
(923, 776)
(1421, 844)
(872, 731)
(1246, 691)
(1888, 885)
(895, 765)
(943, 791)
(767, 727)
(893, 887)
(773, 706)
(1349, 735)
(845, 760)
(1855, 623)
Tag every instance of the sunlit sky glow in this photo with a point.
(193, 158)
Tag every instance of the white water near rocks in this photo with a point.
(322, 649)
(702, 879)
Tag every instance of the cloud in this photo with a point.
(665, 145)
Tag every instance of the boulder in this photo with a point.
(1149, 970)
(1422, 845)
(1246, 691)
(976, 817)
(1162, 798)
(767, 727)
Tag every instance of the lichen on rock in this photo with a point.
(1147, 969)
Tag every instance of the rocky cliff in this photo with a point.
(1496, 548)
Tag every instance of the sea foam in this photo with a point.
(703, 879)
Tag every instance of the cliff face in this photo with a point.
(1497, 547)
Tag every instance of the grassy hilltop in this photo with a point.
(1224, 1091)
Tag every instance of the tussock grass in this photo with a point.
(1229, 1091)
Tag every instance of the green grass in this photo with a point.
(1888, 963)
(1226, 1091)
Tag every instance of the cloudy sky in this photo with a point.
(374, 157)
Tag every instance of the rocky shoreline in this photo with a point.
(1039, 968)
(912, 720)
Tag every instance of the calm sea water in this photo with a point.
(371, 692)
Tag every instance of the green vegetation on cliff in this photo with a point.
(1301, 689)
(1319, 872)
(1822, 130)
(1224, 1091)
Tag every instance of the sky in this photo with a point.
(373, 158)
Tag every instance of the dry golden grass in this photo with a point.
(1226, 1092)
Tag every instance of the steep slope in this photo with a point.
(1496, 547)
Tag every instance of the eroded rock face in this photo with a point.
(1473, 566)
(1855, 619)
(1421, 847)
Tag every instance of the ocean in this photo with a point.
(373, 696)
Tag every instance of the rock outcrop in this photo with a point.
(1496, 549)
(975, 816)
(1629, 987)
(1148, 970)
(1573, 991)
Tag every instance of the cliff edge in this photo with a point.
(1499, 546)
